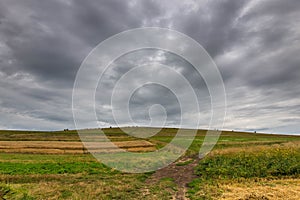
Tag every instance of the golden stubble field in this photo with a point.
(62, 147)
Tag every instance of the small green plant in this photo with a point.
(65, 194)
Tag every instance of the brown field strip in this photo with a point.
(57, 147)
(256, 148)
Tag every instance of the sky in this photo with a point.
(254, 43)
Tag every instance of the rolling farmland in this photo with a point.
(55, 165)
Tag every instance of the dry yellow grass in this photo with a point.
(61, 147)
(256, 148)
(287, 189)
(79, 188)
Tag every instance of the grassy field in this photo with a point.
(241, 166)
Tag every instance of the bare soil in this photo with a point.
(181, 175)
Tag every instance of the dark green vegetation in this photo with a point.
(238, 158)
(273, 162)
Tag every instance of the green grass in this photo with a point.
(272, 163)
(275, 162)
(54, 168)
(227, 139)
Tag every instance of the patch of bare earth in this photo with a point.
(181, 175)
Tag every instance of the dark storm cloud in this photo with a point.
(150, 94)
(254, 43)
(212, 25)
(50, 39)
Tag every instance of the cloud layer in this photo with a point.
(255, 44)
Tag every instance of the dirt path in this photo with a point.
(182, 172)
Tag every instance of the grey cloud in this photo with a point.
(213, 25)
(53, 38)
(149, 94)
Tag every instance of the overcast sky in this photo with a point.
(255, 44)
